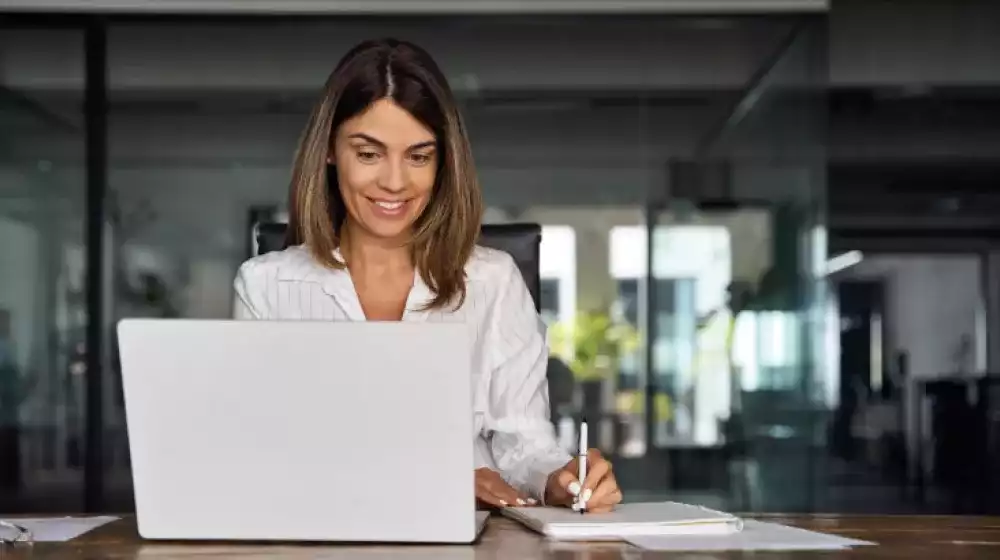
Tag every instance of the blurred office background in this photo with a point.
(778, 220)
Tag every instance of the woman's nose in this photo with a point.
(393, 178)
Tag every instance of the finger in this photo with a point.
(485, 488)
(482, 504)
(605, 508)
(598, 471)
(489, 482)
(566, 487)
(605, 496)
(489, 498)
(507, 493)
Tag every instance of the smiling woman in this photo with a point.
(386, 183)
(384, 143)
(385, 214)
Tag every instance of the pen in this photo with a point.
(582, 463)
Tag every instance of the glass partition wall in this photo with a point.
(738, 299)
(43, 315)
(676, 251)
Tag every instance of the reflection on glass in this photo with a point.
(771, 327)
(690, 367)
(557, 263)
(587, 330)
(42, 312)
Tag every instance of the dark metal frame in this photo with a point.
(95, 115)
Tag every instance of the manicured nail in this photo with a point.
(532, 501)
(520, 502)
(503, 503)
(586, 495)
(574, 488)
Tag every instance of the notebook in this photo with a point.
(627, 520)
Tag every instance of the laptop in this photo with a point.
(300, 431)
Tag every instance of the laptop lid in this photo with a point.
(332, 431)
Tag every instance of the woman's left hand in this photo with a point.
(598, 493)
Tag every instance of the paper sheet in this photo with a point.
(60, 529)
(756, 535)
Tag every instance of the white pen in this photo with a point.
(582, 462)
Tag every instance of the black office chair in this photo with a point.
(520, 241)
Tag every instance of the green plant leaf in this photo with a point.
(593, 344)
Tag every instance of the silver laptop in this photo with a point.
(300, 431)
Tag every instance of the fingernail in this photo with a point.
(503, 503)
(520, 502)
(574, 488)
(576, 506)
(532, 501)
(586, 495)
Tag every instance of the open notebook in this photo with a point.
(627, 520)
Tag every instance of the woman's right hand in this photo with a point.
(493, 490)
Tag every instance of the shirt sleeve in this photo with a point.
(518, 427)
(248, 300)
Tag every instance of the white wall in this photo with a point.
(932, 301)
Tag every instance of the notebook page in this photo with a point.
(626, 519)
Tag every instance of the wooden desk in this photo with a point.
(939, 538)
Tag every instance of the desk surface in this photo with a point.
(951, 538)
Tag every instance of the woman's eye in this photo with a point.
(421, 159)
(367, 157)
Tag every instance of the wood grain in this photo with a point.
(910, 537)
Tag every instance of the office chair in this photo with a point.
(520, 241)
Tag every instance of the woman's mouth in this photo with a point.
(388, 208)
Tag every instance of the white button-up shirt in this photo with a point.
(511, 403)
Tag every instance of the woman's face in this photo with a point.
(386, 165)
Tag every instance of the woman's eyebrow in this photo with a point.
(366, 138)
(381, 144)
(419, 145)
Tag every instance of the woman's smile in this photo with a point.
(389, 209)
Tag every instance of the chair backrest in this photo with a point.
(520, 241)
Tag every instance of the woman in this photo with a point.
(385, 210)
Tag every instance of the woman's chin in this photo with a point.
(394, 230)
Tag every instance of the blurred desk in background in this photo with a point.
(958, 441)
(910, 537)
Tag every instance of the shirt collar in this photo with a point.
(339, 285)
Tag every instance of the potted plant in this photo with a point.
(591, 345)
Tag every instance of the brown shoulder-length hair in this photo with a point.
(446, 232)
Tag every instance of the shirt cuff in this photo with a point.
(538, 474)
